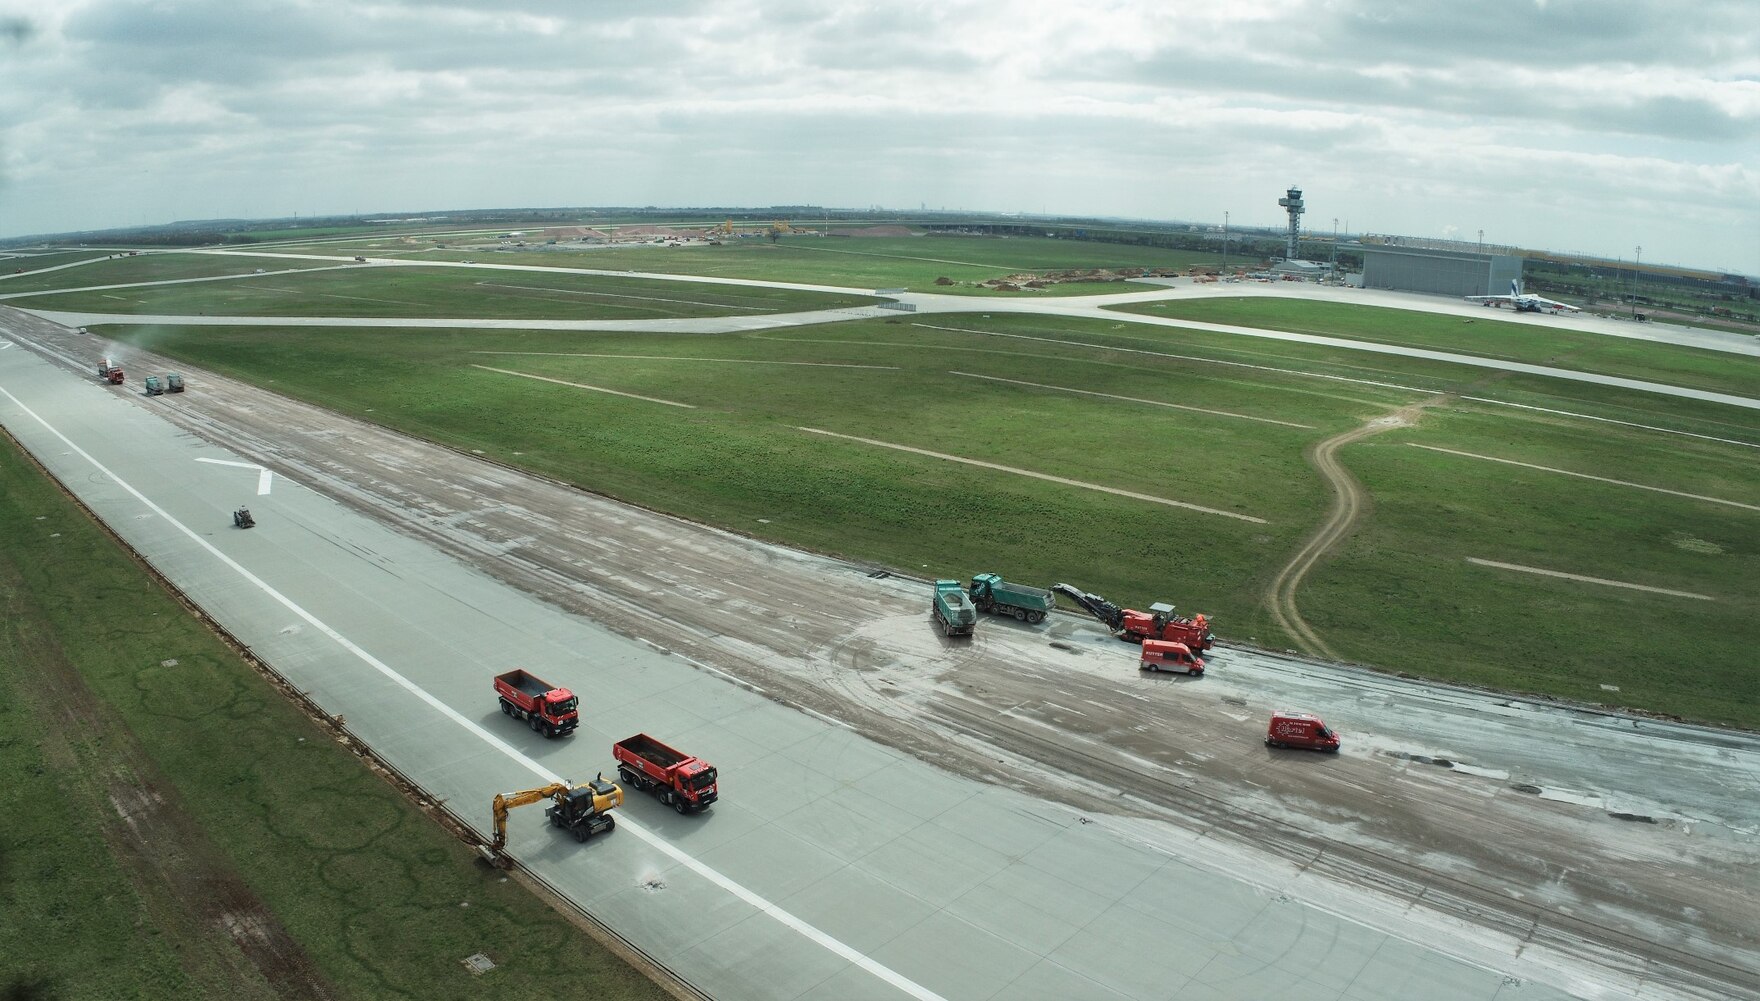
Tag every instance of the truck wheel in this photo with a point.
(628, 779)
(506, 708)
(1035, 617)
(581, 833)
(680, 805)
(610, 824)
(536, 723)
(1020, 615)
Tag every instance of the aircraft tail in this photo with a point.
(1515, 287)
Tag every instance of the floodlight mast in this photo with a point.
(1292, 203)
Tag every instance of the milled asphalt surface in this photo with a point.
(913, 880)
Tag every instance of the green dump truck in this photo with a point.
(153, 386)
(992, 594)
(953, 609)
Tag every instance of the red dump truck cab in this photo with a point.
(1304, 730)
(1165, 655)
(674, 777)
(551, 711)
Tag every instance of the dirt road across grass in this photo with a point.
(1349, 502)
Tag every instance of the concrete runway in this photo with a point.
(1078, 862)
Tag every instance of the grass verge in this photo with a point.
(1491, 337)
(448, 292)
(177, 828)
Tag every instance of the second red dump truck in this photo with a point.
(549, 710)
(679, 780)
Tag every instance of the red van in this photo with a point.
(1305, 730)
(1167, 655)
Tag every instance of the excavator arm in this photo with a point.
(508, 801)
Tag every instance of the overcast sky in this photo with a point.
(1588, 125)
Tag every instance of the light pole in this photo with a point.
(1334, 246)
(1225, 241)
(1636, 258)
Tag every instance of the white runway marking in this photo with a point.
(1134, 399)
(264, 476)
(1588, 580)
(1609, 420)
(1039, 476)
(785, 918)
(582, 385)
(1586, 476)
(724, 361)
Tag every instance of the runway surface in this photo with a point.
(1022, 816)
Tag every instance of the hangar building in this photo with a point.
(1447, 272)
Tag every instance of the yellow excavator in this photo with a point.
(584, 810)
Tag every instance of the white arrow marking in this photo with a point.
(263, 479)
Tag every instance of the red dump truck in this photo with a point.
(549, 710)
(110, 372)
(679, 780)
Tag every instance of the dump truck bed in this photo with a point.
(526, 683)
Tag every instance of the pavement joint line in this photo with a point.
(679, 855)
(582, 385)
(1039, 476)
(1589, 580)
(1135, 399)
(1610, 420)
(1587, 476)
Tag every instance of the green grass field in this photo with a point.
(853, 262)
(1491, 338)
(152, 267)
(1399, 595)
(447, 292)
(110, 695)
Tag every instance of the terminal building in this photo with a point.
(1445, 272)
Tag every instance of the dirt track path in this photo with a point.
(1348, 502)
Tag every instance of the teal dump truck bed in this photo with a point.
(953, 609)
(994, 595)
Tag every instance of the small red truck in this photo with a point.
(679, 780)
(1165, 655)
(551, 711)
(1304, 730)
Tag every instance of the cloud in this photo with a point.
(1415, 117)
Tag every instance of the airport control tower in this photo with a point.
(1292, 202)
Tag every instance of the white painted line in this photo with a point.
(581, 385)
(613, 295)
(1609, 420)
(1586, 476)
(1134, 399)
(1039, 476)
(4, 345)
(788, 920)
(1169, 354)
(724, 361)
(264, 476)
(1066, 709)
(1588, 580)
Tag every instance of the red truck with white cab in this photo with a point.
(679, 780)
(1165, 655)
(551, 711)
(1304, 730)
